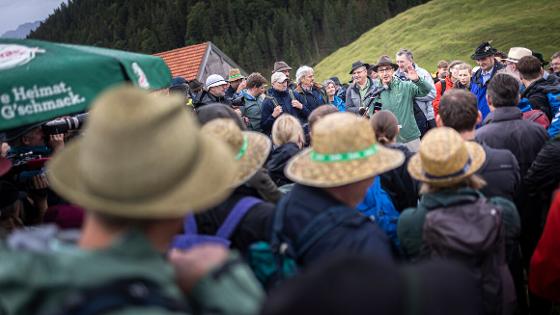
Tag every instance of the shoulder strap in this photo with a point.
(291, 92)
(237, 213)
(119, 294)
(443, 86)
(321, 225)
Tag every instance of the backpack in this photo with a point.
(531, 114)
(191, 238)
(275, 261)
(473, 233)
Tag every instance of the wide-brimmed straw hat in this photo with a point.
(344, 151)
(445, 158)
(251, 149)
(142, 156)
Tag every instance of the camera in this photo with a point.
(62, 125)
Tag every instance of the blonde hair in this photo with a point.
(473, 181)
(287, 129)
(464, 66)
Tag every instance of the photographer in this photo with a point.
(31, 146)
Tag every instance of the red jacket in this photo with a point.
(448, 86)
(544, 274)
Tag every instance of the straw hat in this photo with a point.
(445, 158)
(234, 75)
(142, 156)
(344, 151)
(250, 148)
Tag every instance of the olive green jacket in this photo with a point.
(62, 269)
(398, 98)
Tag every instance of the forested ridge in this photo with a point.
(253, 32)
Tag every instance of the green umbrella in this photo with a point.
(42, 80)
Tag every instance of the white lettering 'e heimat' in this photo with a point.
(22, 94)
(142, 78)
(12, 55)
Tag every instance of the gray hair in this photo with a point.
(406, 52)
(327, 82)
(303, 71)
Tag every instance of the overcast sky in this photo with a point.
(16, 12)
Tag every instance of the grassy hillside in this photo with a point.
(452, 29)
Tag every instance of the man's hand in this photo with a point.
(297, 104)
(277, 111)
(241, 86)
(4, 149)
(56, 142)
(412, 75)
(192, 265)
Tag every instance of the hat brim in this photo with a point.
(219, 83)
(236, 79)
(204, 186)
(303, 170)
(281, 69)
(476, 153)
(480, 56)
(393, 65)
(258, 148)
(363, 65)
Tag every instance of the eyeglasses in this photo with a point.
(381, 70)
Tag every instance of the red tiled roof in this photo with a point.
(185, 61)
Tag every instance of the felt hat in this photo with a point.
(385, 61)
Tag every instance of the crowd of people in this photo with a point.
(400, 192)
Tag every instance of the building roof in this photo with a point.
(186, 61)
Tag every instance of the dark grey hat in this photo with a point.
(359, 64)
(281, 66)
(385, 61)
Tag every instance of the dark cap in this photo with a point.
(359, 64)
(484, 50)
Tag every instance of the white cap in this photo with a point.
(516, 53)
(278, 77)
(214, 80)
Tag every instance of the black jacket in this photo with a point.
(206, 98)
(536, 93)
(508, 130)
(277, 161)
(284, 99)
(501, 173)
(356, 235)
(253, 227)
(397, 182)
(544, 175)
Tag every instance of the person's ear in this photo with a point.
(439, 122)
(488, 100)
(478, 117)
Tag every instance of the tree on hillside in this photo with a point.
(255, 33)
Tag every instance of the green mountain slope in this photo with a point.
(452, 29)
